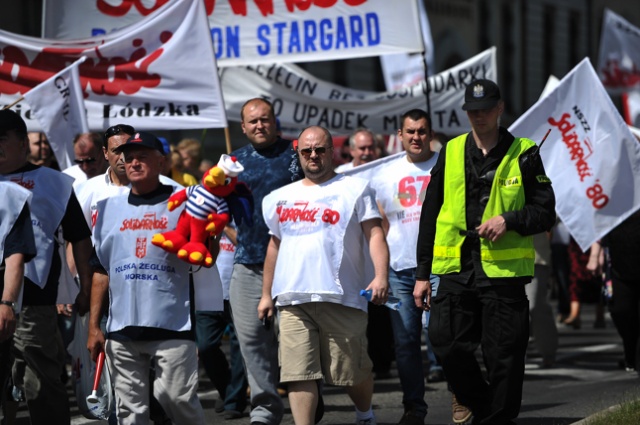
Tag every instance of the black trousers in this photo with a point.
(497, 318)
(625, 313)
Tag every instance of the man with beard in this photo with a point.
(315, 270)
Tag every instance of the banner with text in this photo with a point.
(591, 156)
(157, 74)
(262, 31)
(619, 55)
(58, 106)
(301, 100)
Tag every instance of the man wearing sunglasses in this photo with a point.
(89, 161)
(314, 270)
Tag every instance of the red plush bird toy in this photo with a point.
(206, 213)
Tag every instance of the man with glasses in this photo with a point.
(89, 160)
(487, 196)
(315, 270)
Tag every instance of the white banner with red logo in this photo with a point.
(301, 100)
(591, 156)
(58, 105)
(619, 56)
(262, 31)
(404, 69)
(157, 74)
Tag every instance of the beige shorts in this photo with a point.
(323, 340)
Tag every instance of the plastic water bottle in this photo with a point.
(393, 303)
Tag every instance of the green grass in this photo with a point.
(626, 413)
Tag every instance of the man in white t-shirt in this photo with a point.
(315, 270)
(400, 186)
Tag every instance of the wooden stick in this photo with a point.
(227, 139)
(14, 103)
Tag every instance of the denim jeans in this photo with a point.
(407, 333)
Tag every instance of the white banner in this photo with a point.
(591, 156)
(631, 107)
(58, 106)
(619, 56)
(157, 74)
(262, 31)
(301, 100)
(404, 69)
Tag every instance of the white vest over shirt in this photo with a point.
(400, 189)
(51, 192)
(321, 250)
(147, 285)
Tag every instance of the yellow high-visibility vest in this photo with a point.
(512, 255)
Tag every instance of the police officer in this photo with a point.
(488, 195)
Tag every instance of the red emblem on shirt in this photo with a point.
(141, 247)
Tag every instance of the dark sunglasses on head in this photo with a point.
(117, 129)
(84, 161)
(306, 152)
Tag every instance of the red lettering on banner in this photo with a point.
(238, 7)
(594, 193)
(126, 5)
(109, 76)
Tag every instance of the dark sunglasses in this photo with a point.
(306, 152)
(117, 129)
(84, 161)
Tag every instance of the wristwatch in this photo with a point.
(10, 304)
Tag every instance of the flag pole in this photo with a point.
(14, 103)
(227, 139)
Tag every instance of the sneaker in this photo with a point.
(461, 414)
(370, 421)
(435, 375)
(232, 414)
(410, 419)
(219, 405)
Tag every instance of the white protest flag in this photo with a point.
(159, 73)
(246, 32)
(301, 100)
(403, 69)
(619, 55)
(58, 106)
(631, 107)
(591, 156)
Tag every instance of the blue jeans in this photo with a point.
(407, 333)
(231, 382)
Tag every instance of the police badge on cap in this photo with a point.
(481, 94)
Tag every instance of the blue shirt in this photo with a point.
(264, 171)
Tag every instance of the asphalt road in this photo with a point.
(585, 380)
